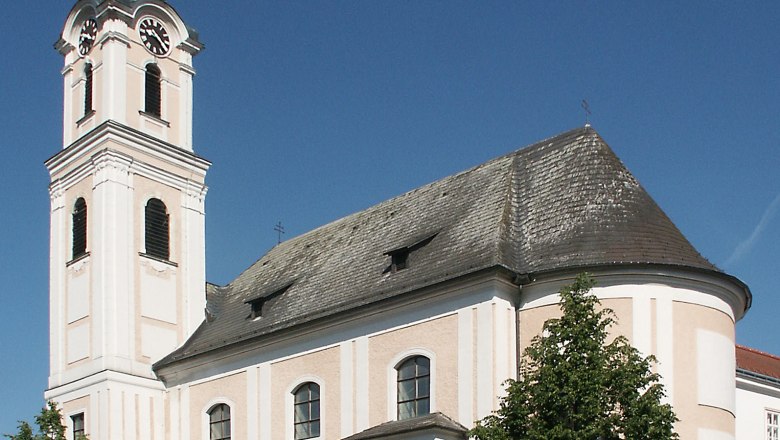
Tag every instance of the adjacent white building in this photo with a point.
(400, 321)
(758, 394)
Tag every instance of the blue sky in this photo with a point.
(310, 111)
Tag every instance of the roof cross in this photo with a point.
(586, 107)
(279, 228)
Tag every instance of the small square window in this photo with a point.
(266, 301)
(398, 259)
(257, 308)
(772, 425)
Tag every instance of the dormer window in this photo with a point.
(153, 94)
(257, 304)
(257, 308)
(399, 257)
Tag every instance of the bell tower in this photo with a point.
(127, 252)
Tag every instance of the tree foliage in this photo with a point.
(573, 385)
(49, 423)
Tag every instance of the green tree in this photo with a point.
(573, 385)
(49, 423)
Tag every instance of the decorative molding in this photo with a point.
(155, 119)
(114, 36)
(86, 117)
(429, 305)
(156, 264)
(68, 68)
(689, 286)
(111, 131)
(186, 68)
(78, 264)
(111, 166)
(56, 195)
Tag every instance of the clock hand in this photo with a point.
(154, 33)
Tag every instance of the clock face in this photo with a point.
(87, 36)
(154, 36)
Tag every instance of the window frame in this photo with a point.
(772, 424)
(81, 229)
(156, 250)
(310, 403)
(89, 87)
(392, 380)
(289, 404)
(153, 101)
(420, 380)
(74, 431)
(209, 422)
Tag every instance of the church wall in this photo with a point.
(471, 347)
(321, 367)
(436, 339)
(167, 129)
(231, 390)
(72, 408)
(703, 357)
(158, 291)
(78, 316)
(532, 319)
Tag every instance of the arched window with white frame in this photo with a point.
(219, 422)
(306, 411)
(413, 387)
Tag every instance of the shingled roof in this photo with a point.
(562, 203)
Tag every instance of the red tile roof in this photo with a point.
(757, 361)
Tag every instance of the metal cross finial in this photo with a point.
(586, 107)
(279, 231)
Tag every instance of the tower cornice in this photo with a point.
(130, 138)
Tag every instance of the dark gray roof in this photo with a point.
(431, 421)
(565, 202)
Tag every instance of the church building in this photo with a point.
(398, 322)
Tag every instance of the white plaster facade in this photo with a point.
(114, 309)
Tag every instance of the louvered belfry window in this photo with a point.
(153, 95)
(157, 229)
(88, 89)
(79, 228)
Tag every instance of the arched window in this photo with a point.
(79, 228)
(414, 387)
(88, 89)
(307, 411)
(219, 422)
(156, 232)
(153, 95)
